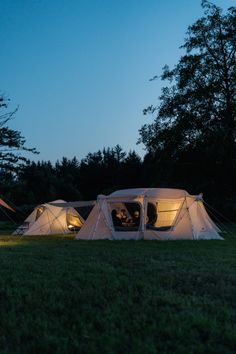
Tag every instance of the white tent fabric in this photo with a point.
(165, 214)
(49, 219)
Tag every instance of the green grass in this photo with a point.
(63, 296)
(7, 227)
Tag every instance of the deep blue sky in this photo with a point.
(79, 69)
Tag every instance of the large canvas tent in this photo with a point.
(51, 218)
(164, 214)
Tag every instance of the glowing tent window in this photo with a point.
(39, 212)
(167, 212)
(73, 220)
(125, 216)
(162, 214)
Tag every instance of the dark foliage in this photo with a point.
(192, 138)
(11, 141)
(98, 173)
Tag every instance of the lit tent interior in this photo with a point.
(164, 214)
(56, 217)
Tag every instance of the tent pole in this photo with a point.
(190, 219)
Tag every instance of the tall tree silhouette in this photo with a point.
(197, 113)
(12, 143)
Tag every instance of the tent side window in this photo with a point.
(39, 212)
(162, 214)
(125, 216)
(73, 220)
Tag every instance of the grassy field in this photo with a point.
(63, 296)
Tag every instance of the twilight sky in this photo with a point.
(79, 69)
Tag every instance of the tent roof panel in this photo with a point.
(160, 193)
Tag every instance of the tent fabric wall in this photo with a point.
(97, 224)
(53, 220)
(186, 213)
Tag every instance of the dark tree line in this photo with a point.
(100, 172)
(103, 172)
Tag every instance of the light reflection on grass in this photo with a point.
(9, 240)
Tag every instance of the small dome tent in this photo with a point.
(151, 214)
(51, 218)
